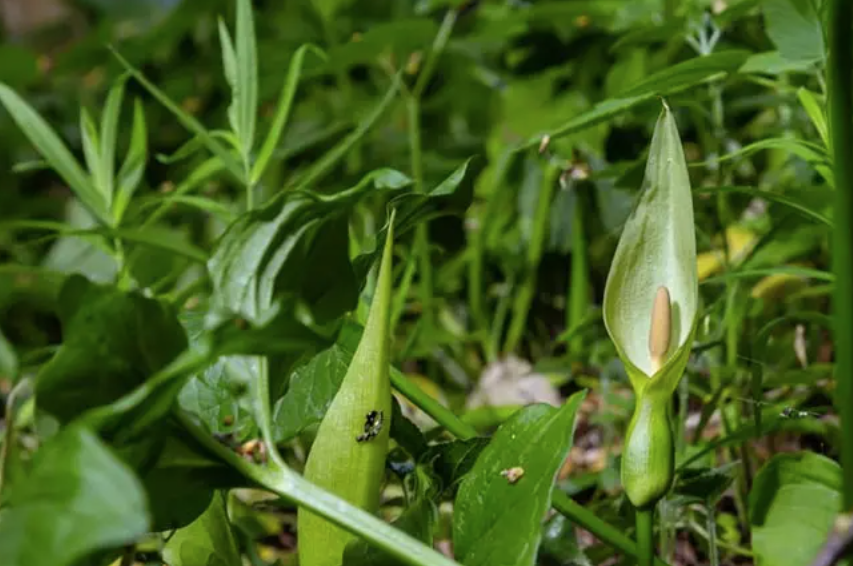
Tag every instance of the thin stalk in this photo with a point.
(666, 528)
(840, 112)
(645, 536)
(524, 296)
(127, 557)
(711, 521)
(478, 245)
(9, 441)
(437, 48)
(579, 291)
(413, 112)
(501, 311)
(413, 109)
(282, 481)
(578, 514)
(439, 413)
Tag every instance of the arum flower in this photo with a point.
(650, 309)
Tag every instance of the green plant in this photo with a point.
(190, 221)
(651, 306)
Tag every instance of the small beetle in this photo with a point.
(372, 426)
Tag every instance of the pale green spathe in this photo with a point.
(657, 247)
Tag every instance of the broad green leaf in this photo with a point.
(113, 341)
(451, 461)
(224, 335)
(246, 93)
(18, 64)
(501, 502)
(108, 137)
(45, 140)
(207, 541)
(133, 169)
(792, 507)
(186, 120)
(213, 396)
(313, 386)
(704, 484)
(282, 111)
(418, 519)
(404, 432)
(260, 244)
(328, 8)
(560, 543)
(413, 208)
(813, 108)
(77, 498)
(795, 29)
(657, 248)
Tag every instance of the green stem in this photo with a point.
(478, 246)
(437, 48)
(9, 440)
(413, 111)
(524, 295)
(579, 292)
(713, 554)
(602, 530)
(421, 244)
(840, 111)
(645, 536)
(281, 480)
(439, 413)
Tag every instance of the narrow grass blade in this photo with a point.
(246, 94)
(325, 164)
(804, 272)
(229, 67)
(777, 198)
(282, 111)
(809, 101)
(186, 120)
(45, 140)
(133, 168)
(92, 153)
(109, 133)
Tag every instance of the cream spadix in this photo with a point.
(659, 333)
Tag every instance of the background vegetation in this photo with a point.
(499, 281)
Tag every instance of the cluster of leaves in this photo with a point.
(226, 276)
